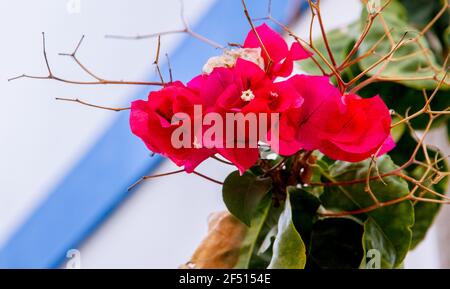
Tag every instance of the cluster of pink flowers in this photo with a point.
(314, 115)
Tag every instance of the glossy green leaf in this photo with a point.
(387, 229)
(249, 245)
(289, 251)
(242, 194)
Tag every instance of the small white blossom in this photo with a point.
(247, 95)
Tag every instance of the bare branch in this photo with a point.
(73, 55)
(92, 105)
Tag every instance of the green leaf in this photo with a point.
(289, 251)
(448, 131)
(397, 131)
(447, 37)
(264, 247)
(242, 194)
(249, 245)
(422, 12)
(425, 213)
(335, 244)
(387, 229)
(411, 61)
(304, 211)
(341, 40)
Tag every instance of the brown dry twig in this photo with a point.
(91, 104)
(97, 81)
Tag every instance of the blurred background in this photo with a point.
(160, 223)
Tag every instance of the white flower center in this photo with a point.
(247, 95)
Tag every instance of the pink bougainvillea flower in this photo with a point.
(244, 88)
(348, 128)
(152, 121)
(365, 130)
(308, 126)
(278, 50)
(240, 89)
